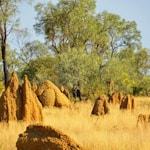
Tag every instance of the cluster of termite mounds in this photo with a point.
(101, 106)
(125, 102)
(24, 103)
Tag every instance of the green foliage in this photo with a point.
(41, 69)
(144, 85)
(92, 48)
(82, 48)
(32, 50)
(79, 67)
(2, 88)
(66, 25)
(126, 70)
(8, 24)
(13, 62)
(115, 34)
(142, 61)
(30, 53)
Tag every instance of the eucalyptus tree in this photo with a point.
(32, 50)
(129, 70)
(70, 26)
(67, 24)
(78, 68)
(13, 64)
(8, 22)
(122, 72)
(142, 69)
(117, 35)
(30, 53)
(142, 61)
(41, 69)
(114, 34)
(74, 23)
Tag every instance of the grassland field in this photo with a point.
(115, 131)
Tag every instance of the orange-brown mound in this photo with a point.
(20, 103)
(32, 108)
(127, 102)
(10, 101)
(65, 91)
(37, 137)
(100, 106)
(143, 120)
(59, 97)
(47, 98)
(115, 98)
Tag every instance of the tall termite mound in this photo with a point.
(19, 102)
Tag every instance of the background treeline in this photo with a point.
(82, 48)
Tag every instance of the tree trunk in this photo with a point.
(3, 50)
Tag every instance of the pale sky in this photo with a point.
(130, 10)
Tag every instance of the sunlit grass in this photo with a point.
(9, 134)
(115, 131)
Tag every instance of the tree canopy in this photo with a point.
(8, 23)
(84, 48)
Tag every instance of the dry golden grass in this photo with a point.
(115, 131)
